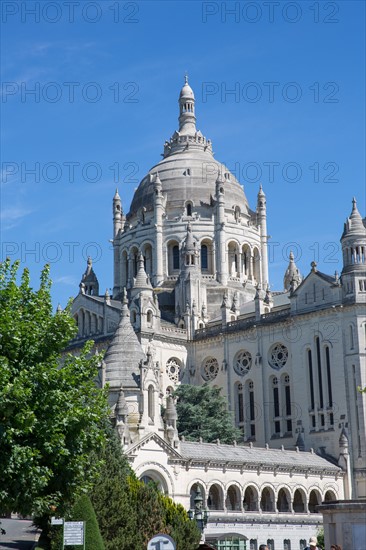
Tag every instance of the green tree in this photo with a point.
(52, 415)
(202, 412)
(320, 537)
(129, 512)
(83, 511)
(112, 498)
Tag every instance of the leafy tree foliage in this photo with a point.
(202, 412)
(51, 413)
(111, 498)
(130, 513)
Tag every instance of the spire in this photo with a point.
(116, 195)
(261, 192)
(187, 118)
(89, 280)
(354, 225)
(142, 281)
(292, 277)
(124, 353)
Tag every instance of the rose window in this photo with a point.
(210, 368)
(243, 362)
(173, 367)
(278, 356)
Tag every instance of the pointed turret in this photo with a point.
(187, 118)
(118, 217)
(292, 277)
(89, 280)
(124, 354)
(353, 242)
(142, 281)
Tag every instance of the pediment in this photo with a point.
(153, 440)
(316, 290)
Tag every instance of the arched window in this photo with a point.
(351, 338)
(204, 257)
(267, 500)
(314, 500)
(151, 402)
(189, 209)
(329, 382)
(149, 318)
(276, 406)
(287, 402)
(233, 498)
(298, 502)
(329, 496)
(214, 499)
(176, 257)
(250, 502)
(311, 379)
(282, 501)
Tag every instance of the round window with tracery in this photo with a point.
(242, 362)
(210, 368)
(173, 367)
(278, 356)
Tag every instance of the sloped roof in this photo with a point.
(254, 455)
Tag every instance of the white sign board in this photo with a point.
(57, 521)
(73, 533)
(161, 542)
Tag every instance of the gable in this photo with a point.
(152, 444)
(316, 291)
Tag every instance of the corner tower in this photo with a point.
(353, 242)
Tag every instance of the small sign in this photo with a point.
(57, 521)
(161, 542)
(73, 533)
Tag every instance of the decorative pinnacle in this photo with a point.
(186, 78)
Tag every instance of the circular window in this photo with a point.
(173, 369)
(242, 362)
(278, 356)
(210, 368)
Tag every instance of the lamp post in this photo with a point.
(198, 513)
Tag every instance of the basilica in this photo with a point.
(192, 304)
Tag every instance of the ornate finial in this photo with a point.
(292, 257)
(90, 261)
(313, 266)
(186, 78)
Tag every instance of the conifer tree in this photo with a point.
(203, 413)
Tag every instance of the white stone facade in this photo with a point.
(192, 258)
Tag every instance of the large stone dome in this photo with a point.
(188, 175)
(188, 170)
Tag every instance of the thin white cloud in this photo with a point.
(68, 280)
(11, 217)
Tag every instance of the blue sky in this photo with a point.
(106, 78)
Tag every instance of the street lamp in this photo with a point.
(198, 513)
